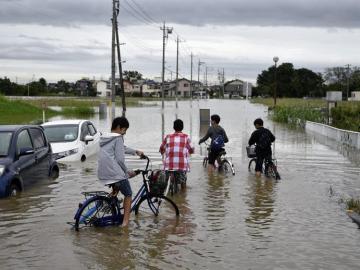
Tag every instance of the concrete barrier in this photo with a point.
(350, 138)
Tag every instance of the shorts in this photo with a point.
(180, 176)
(213, 155)
(124, 187)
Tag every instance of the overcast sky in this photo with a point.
(63, 39)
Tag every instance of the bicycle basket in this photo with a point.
(250, 150)
(157, 182)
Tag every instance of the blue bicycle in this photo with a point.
(101, 209)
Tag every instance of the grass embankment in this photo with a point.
(347, 115)
(353, 205)
(294, 110)
(21, 112)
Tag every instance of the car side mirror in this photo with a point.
(26, 151)
(88, 138)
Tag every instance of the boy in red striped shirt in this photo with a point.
(176, 149)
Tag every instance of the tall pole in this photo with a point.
(113, 61)
(163, 69)
(191, 79)
(223, 82)
(275, 59)
(347, 81)
(120, 62)
(177, 72)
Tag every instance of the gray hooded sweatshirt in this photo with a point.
(111, 158)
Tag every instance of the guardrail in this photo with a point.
(347, 137)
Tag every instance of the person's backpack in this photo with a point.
(264, 141)
(217, 143)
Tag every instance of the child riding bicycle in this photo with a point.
(111, 163)
(218, 139)
(262, 138)
(176, 149)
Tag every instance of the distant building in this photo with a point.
(183, 88)
(102, 89)
(237, 88)
(355, 95)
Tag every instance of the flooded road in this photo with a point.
(234, 222)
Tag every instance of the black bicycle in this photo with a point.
(269, 166)
(223, 163)
(101, 209)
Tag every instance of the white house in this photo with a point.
(102, 90)
(355, 95)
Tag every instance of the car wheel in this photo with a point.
(14, 190)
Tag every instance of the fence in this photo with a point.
(350, 138)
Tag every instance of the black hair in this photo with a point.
(178, 125)
(121, 122)
(215, 118)
(259, 122)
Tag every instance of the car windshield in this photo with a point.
(5, 138)
(61, 133)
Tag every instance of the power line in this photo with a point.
(143, 11)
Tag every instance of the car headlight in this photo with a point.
(2, 169)
(66, 153)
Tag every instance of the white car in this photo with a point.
(72, 140)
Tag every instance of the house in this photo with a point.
(151, 88)
(183, 88)
(355, 95)
(237, 88)
(102, 89)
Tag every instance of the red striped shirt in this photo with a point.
(176, 149)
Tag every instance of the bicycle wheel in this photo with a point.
(227, 167)
(252, 165)
(272, 172)
(157, 205)
(97, 211)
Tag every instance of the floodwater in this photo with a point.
(234, 222)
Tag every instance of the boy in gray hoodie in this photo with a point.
(111, 163)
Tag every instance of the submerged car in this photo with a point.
(72, 140)
(25, 158)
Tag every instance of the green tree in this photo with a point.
(290, 82)
(132, 75)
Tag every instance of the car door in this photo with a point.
(88, 129)
(25, 164)
(42, 152)
(93, 145)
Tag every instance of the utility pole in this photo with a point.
(199, 64)
(115, 7)
(121, 82)
(191, 80)
(223, 83)
(347, 81)
(166, 31)
(177, 72)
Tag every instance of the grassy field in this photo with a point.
(296, 111)
(22, 112)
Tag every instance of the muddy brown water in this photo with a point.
(234, 222)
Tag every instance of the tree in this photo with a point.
(132, 75)
(290, 82)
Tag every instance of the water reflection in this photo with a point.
(216, 196)
(260, 200)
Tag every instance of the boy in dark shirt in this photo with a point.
(214, 131)
(262, 138)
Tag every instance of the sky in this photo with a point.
(70, 39)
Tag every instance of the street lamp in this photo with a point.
(275, 59)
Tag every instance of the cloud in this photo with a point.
(305, 13)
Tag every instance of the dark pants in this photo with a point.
(213, 155)
(260, 158)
